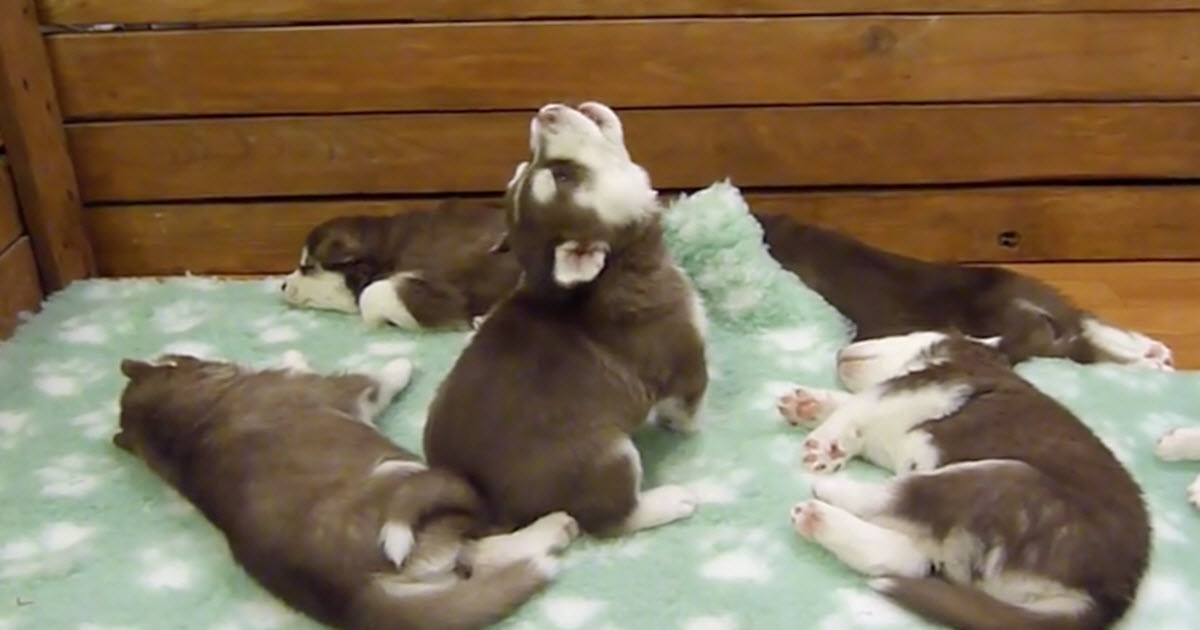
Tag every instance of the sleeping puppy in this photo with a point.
(319, 507)
(602, 329)
(1006, 511)
(1182, 444)
(887, 294)
(432, 269)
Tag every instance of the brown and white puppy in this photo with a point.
(1182, 444)
(430, 269)
(1006, 512)
(602, 330)
(886, 294)
(319, 507)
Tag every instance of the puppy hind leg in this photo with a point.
(608, 501)
(864, 546)
(548, 535)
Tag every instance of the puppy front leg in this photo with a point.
(548, 535)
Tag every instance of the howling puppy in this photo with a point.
(1007, 511)
(602, 329)
(886, 294)
(431, 269)
(319, 507)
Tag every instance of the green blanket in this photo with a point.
(91, 540)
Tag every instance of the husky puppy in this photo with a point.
(1006, 512)
(419, 270)
(886, 294)
(319, 507)
(602, 330)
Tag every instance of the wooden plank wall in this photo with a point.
(22, 292)
(972, 130)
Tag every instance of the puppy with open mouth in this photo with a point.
(602, 330)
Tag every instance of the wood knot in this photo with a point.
(1009, 238)
(879, 39)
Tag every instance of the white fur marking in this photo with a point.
(397, 540)
(673, 414)
(393, 466)
(320, 289)
(542, 186)
(866, 363)
(380, 303)
(659, 506)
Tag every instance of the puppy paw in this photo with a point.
(554, 531)
(395, 375)
(826, 454)
(669, 503)
(806, 407)
(1194, 493)
(808, 519)
(1157, 355)
(1179, 445)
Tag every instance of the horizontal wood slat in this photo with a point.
(10, 219)
(149, 11)
(18, 276)
(1047, 223)
(757, 147)
(689, 62)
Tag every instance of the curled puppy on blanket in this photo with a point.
(432, 269)
(1006, 511)
(1182, 444)
(602, 329)
(319, 507)
(887, 294)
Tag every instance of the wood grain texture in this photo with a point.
(10, 218)
(37, 150)
(629, 63)
(757, 147)
(239, 11)
(1160, 299)
(19, 277)
(967, 225)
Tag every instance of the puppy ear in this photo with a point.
(577, 263)
(135, 369)
(341, 250)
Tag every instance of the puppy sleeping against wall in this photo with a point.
(319, 507)
(417, 270)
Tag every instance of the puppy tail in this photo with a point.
(967, 608)
(457, 604)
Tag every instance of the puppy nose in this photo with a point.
(550, 114)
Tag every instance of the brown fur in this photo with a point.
(456, 275)
(887, 294)
(556, 376)
(1066, 509)
(279, 462)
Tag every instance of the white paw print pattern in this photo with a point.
(66, 378)
(163, 571)
(739, 554)
(711, 622)
(74, 475)
(96, 425)
(284, 327)
(55, 551)
(80, 330)
(180, 316)
(571, 612)
(15, 428)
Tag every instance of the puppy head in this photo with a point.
(866, 363)
(577, 197)
(335, 265)
(161, 401)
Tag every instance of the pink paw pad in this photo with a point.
(826, 455)
(800, 407)
(807, 519)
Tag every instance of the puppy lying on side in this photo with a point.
(318, 506)
(1182, 444)
(431, 269)
(887, 294)
(1007, 511)
(602, 329)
